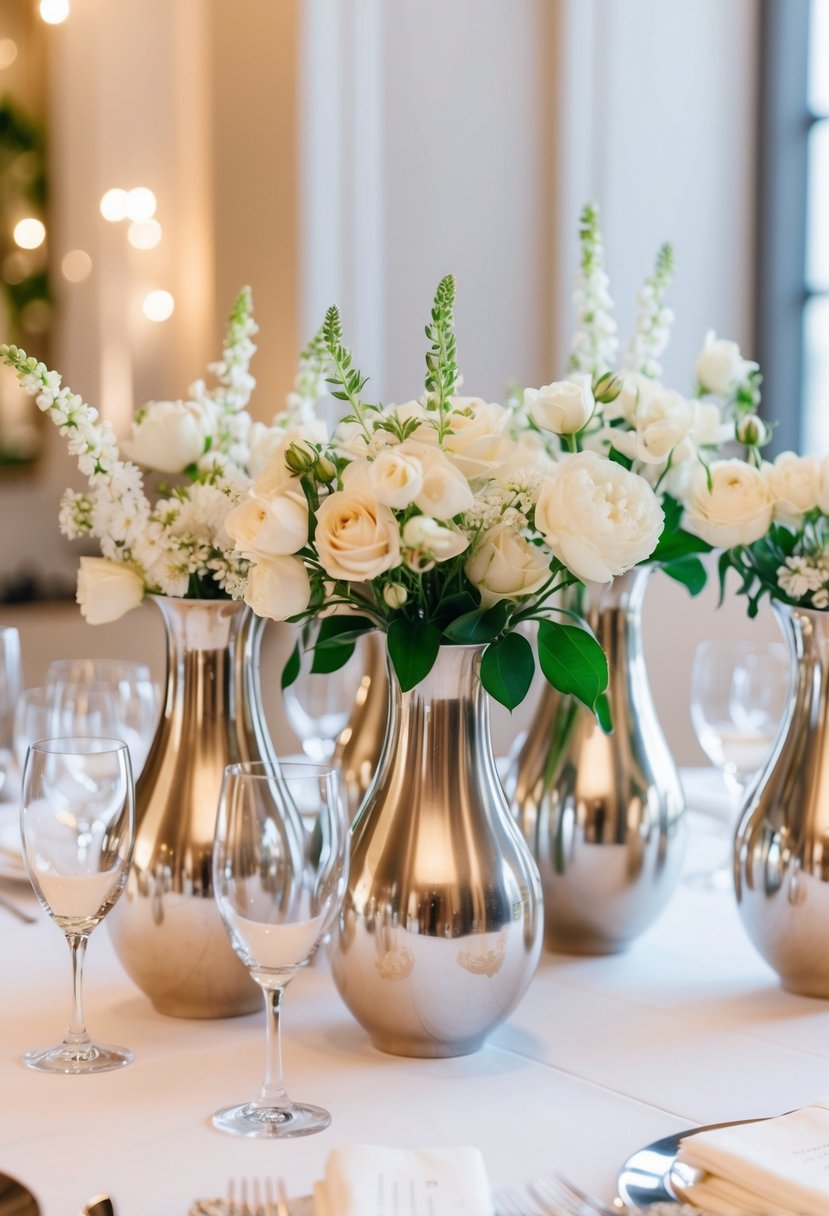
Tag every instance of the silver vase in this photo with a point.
(166, 927)
(440, 930)
(603, 814)
(361, 741)
(781, 859)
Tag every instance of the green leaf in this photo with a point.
(689, 571)
(454, 606)
(334, 655)
(334, 630)
(572, 661)
(291, 669)
(676, 542)
(619, 458)
(413, 648)
(603, 714)
(475, 628)
(507, 669)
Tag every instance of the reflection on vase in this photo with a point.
(781, 858)
(166, 928)
(441, 925)
(603, 814)
(361, 742)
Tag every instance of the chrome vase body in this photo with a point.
(166, 927)
(440, 930)
(781, 856)
(361, 742)
(603, 814)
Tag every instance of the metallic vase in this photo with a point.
(781, 856)
(361, 742)
(440, 930)
(603, 814)
(166, 927)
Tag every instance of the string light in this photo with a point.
(158, 306)
(29, 233)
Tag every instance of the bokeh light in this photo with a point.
(76, 265)
(54, 12)
(113, 205)
(144, 234)
(29, 233)
(158, 305)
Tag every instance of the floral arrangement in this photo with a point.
(446, 520)
(176, 544)
(623, 410)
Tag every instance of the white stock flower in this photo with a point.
(445, 492)
(563, 407)
(278, 588)
(168, 436)
(426, 542)
(396, 477)
(356, 537)
(598, 518)
(798, 577)
(107, 590)
(505, 566)
(795, 484)
(736, 510)
(720, 366)
(274, 527)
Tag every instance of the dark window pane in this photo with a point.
(817, 234)
(819, 57)
(816, 375)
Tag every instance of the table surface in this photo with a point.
(602, 1056)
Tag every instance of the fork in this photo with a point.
(515, 1201)
(257, 1199)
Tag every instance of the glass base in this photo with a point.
(272, 1123)
(94, 1057)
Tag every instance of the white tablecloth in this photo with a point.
(602, 1056)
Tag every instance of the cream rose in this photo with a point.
(794, 482)
(426, 542)
(357, 538)
(505, 566)
(168, 436)
(396, 478)
(274, 527)
(107, 590)
(477, 441)
(736, 510)
(663, 421)
(445, 492)
(278, 588)
(598, 518)
(563, 407)
(720, 365)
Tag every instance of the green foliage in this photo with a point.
(482, 625)
(573, 662)
(291, 669)
(689, 571)
(441, 357)
(335, 641)
(757, 564)
(507, 669)
(347, 381)
(413, 649)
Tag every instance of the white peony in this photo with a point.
(426, 542)
(736, 510)
(274, 527)
(107, 590)
(563, 407)
(356, 537)
(794, 482)
(720, 366)
(598, 518)
(278, 588)
(168, 436)
(505, 566)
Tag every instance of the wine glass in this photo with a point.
(738, 695)
(77, 824)
(10, 684)
(134, 695)
(318, 705)
(32, 721)
(83, 710)
(279, 873)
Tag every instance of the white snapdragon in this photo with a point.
(595, 344)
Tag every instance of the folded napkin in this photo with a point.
(777, 1167)
(364, 1180)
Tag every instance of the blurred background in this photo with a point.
(155, 155)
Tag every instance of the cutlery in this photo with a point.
(101, 1205)
(16, 910)
(15, 1199)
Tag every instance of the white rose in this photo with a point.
(794, 482)
(395, 595)
(269, 528)
(823, 485)
(168, 436)
(505, 566)
(396, 478)
(264, 441)
(275, 477)
(598, 518)
(720, 365)
(445, 492)
(662, 421)
(356, 537)
(736, 510)
(636, 390)
(426, 542)
(278, 588)
(107, 590)
(477, 441)
(563, 407)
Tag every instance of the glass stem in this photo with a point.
(76, 1035)
(273, 1092)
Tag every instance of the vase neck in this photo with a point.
(201, 624)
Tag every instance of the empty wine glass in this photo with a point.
(318, 705)
(134, 695)
(77, 825)
(279, 872)
(738, 695)
(83, 709)
(11, 680)
(32, 721)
